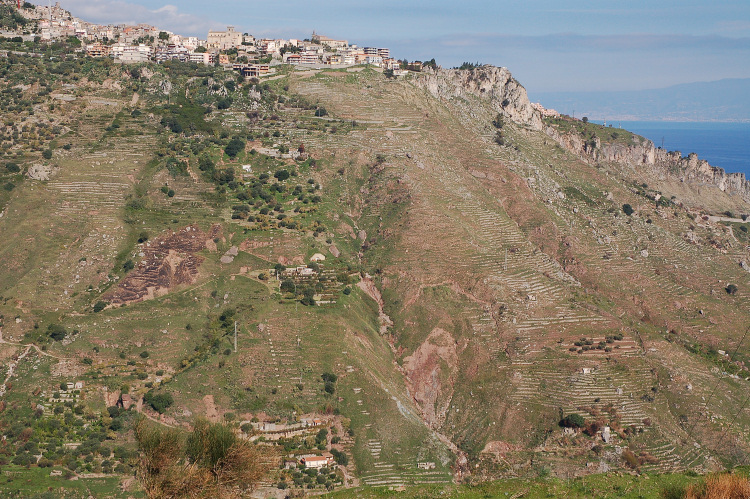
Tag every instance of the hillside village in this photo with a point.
(242, 51)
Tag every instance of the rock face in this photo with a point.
(644, 153)
(497, 85)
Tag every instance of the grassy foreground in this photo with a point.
(670, 486)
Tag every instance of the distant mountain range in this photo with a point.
(722, 100)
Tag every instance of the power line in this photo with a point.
(716, 386)
(723, 434)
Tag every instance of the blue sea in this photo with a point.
(726, 145)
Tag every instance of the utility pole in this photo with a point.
(235, 336)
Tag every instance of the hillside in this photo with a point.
(486, 275)
(722, 100)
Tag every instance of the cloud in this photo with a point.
(168, 17)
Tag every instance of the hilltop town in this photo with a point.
(243, 51)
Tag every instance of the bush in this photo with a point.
(234, 147)
(99, 306)
(56, 332)
(47, 154)
(287, 286)
(627, 209)
(12, 167)
(281, 175)
(731, 289)
(321, 111)
(572, 421)
(719, 485)
(160, 402)
(630, 459)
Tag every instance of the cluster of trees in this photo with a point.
(470, 65)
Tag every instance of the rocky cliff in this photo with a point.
(643, 153)
(497, 85)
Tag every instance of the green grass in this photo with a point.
(592, 486)
(17, 481)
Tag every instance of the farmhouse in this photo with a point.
(316, 461)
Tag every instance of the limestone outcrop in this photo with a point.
(643, 153)
(497, 85)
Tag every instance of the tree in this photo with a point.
(572, 421)
(201, 50)
(56, 332)
(160, 402)
(731, 289)
(288, 286)
(234, 147)
(281, 175)
(585, 119)
(224, 103)
(163, 35)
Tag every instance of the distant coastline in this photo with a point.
(722, 144)
(722, 101)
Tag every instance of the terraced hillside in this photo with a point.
(514, 253)
(420, 267)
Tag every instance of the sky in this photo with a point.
(548, 45)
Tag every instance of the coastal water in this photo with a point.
(726, 145)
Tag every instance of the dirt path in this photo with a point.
(39, 350)
(135, 98)
(11, 369)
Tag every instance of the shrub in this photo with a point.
(234, 147)
(56, 332)
(572, 421)
(160, 402)
(731, 289)
(224, 103)
(99, 306)
(630, 459)
(719, 485)
(281, 175)
(12, 167)
(627, 209)
(47, 154)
